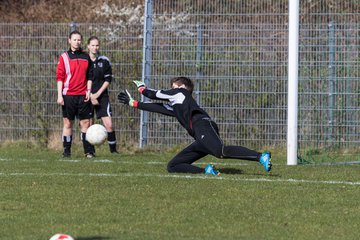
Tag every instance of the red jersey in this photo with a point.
(74, 70)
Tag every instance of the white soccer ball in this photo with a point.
(96, 134)
(61, 236)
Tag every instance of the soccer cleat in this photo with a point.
(66, 153)
(210, 169)
(265, 160)
(89, 155)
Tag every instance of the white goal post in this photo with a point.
(293, 53)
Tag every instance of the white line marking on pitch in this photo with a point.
(165, 162)
(146, 163)
(119, 162)
(184, 177)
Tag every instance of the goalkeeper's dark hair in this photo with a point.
(183, 80)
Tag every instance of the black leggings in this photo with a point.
(207, 141)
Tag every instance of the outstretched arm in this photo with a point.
(147, 92)
(171, 95)
(156, 107)
(165, 109)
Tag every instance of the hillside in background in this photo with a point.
(58, 11)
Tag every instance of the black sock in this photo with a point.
(88, 148)
(112, 141)
(67, 141)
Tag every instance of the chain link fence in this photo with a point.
(29, 56)
(236, 53)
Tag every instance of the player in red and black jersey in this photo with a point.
(74, 75)
(181, 105)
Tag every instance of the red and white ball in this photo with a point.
(61, 236)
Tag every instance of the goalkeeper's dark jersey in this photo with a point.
(180, 104)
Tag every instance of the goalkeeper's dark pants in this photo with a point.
(207, 141)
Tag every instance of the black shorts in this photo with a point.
(74, 106)
(104, 108)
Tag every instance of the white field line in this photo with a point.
(184, 177)
(235, 163)
(114, 161)
(163, 176)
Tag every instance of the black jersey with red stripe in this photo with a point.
(181, 105)
(74, 70)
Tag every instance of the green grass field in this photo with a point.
(131, 196)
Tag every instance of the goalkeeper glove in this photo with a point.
(125, 98)
(140, 85)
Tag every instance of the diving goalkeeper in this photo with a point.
(181, 105)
